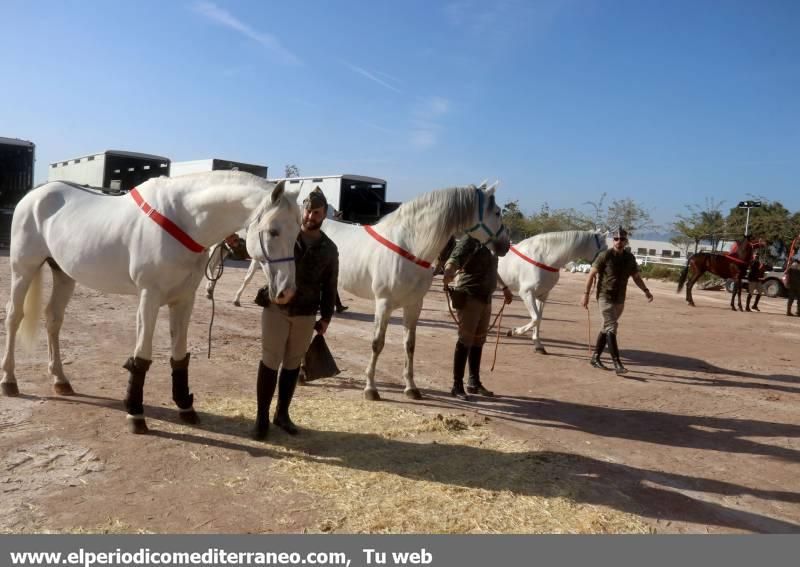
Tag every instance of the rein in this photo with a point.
(214, 277)
(170, 227)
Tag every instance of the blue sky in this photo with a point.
(561, 100)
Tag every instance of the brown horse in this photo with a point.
(720, 265)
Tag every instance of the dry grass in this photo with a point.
(379, 468)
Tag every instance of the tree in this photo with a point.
(701, 224)
(629, 215)
(291, 170)
(598, 212)
(515, 221)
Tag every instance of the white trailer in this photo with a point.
(359, 198)
(114, 170)
(215, 164)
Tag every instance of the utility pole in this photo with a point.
(748, 205)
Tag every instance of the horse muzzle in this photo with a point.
(284, 297)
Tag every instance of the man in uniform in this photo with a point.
(286, 330)
(793, 286)
(612, 268)
(476, 284)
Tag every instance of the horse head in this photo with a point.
(271, 239)
(489, 228)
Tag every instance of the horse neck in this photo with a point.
(217, 211)
(557, 256)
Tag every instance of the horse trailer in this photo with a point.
(358, 198)
(113, 170)
(16, 178)
(214, 164)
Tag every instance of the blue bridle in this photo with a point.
(267, 259)
(481, 225)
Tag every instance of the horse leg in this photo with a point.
(139, 363)
(739, 293)
(63, 287)
(247, 277)
(690, 285)
(179, 315)
(538, 305)
(410, 318)
(520, 331)
(21, 280)
(382, 313)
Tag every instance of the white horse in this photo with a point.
(152, 242)
(390, 262)
(531, 269)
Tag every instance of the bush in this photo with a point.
(660, 272)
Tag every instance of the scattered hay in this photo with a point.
(379, 468)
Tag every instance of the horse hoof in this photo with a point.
(189, 416)
(237, 304)
(137, 425)
(372, 395)
(540, 350)
(509, 333)
(63, 389)
(413, 394)
(9, 389)
(209, 296)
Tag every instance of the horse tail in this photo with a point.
(684, 275)
(31, 313)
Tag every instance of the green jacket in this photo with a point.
(478, 267)
(613, 273)
(316, 278)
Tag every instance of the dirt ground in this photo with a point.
(702, 436)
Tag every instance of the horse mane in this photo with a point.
(432, 215)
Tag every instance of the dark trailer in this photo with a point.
(16, 178)
(16, 170)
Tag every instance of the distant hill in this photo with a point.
(658, 236)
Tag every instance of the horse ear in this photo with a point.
(482, 184)
(491, 188)
(277, 192)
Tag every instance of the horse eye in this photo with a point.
(273, 233)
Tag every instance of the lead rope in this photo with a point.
(214, 276)
(497, 340)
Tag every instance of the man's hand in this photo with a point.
(585, 301)
(449, 275)
(321, 326)
(649, 296)
(508, 295)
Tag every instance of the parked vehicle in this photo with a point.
(772, 285)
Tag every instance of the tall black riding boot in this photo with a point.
(755, 303)
(459, 363)
(265, 389)
(286, 385)
(747, 305)
(474, 385)
(789, 306)
(612, 346)
(599, 347)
